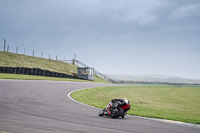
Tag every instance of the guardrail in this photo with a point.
(81, 64)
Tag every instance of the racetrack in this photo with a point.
(44, 107)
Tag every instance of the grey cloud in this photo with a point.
(135, 12)
(137, 29)
(185, 11)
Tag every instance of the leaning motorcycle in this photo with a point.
(116, 110)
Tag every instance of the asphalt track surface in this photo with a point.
(44, 107)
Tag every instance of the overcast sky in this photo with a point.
(113, 36)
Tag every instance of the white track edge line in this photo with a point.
(155, 119)
(69, 95)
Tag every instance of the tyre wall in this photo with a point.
(34, 71)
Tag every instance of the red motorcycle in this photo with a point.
(115, 109)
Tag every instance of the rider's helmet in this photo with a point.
(126, 100)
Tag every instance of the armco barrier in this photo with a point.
(34, 71)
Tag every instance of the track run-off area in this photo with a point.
(46, 107)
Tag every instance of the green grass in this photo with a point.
(18, 60)
(164, 84)
(173, 103)
(32, 77)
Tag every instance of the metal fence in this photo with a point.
(81, 64)
(28, 52)
(74, 62)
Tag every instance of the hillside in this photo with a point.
(19, 60)
(153, 79)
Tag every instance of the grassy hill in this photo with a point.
(18, 60)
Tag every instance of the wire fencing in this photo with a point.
(81, 64)
(28, 52)
(74, 62)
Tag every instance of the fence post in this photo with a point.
(8, 48)
(16, 50)
(56, 57)
(74, 59)
(24, 51)
(49, 56)
(33, 53)
(4, 44)
(41, 54)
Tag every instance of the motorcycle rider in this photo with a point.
(121, 102)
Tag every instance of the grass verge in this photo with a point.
(32, 77)
(18, 60)
(173, 103)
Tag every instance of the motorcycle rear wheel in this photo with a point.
(118, 114)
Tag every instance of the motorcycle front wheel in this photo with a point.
(101, 113)
(118, 114)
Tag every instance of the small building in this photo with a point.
(86, 73)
